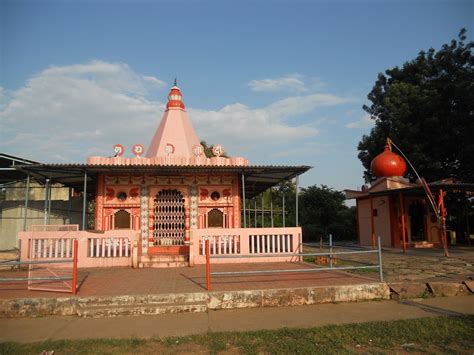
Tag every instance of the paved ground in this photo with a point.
(54, 328)
(127, 281)
(422, 265)
(429, 264)
(417, 265)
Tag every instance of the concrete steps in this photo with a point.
(113, 306)
(163, 260)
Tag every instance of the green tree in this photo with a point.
(273, 199)
(285, 189)
(323, 212)
(427, 108)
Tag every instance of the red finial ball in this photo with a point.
(388, 164)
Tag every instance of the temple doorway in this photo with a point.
(169, 218)
(416, 212)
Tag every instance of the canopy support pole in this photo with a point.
(27, 197)
(283, 208)
(84, 202)
(244, 201)
(296, 199)
(271, 207)
(255, 210)
(46, 195)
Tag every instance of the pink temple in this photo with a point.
(157, 210)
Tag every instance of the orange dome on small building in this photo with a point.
(388, 163)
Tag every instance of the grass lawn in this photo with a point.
(425, 335)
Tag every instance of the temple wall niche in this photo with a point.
(213, 198)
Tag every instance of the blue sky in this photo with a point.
(279, 82)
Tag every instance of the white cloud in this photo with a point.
(154, 81)
(4, 98)
(238, 125)
(64, 113)
(364, 122)
(293, 82)
(71, 112)
(111, 76)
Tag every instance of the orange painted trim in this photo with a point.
(444, 214)
(357, 221)
(99, 203)
(74, 268)
(173, 250)
(208, 266)
(402, 212)
(372, 222)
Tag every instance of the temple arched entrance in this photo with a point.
(122, 220)
(215, 218)
(169, 218)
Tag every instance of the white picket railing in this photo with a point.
(255, 243)
(110, 247)
(221, 244)
(270, 243)
(51, 248)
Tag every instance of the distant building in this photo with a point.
(61, 206)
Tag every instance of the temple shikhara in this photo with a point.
(157, 207)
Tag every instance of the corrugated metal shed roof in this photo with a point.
(258, 178)
(8, 173)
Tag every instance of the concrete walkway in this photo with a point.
(55, 328)
(116, 281)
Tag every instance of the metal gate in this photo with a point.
(169, 218)
(53, 265)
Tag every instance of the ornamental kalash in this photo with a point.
(157, 209)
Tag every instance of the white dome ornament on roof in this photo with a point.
(218, 150)
(169, 148)
(118, 150)
(138, 150)
(198, 150)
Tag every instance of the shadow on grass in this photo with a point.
(431, 309)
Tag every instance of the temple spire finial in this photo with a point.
(175, 99)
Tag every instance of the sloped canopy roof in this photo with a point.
(258, 178)
(7, 167)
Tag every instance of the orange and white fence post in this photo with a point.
(74, 268)
(208, 266)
